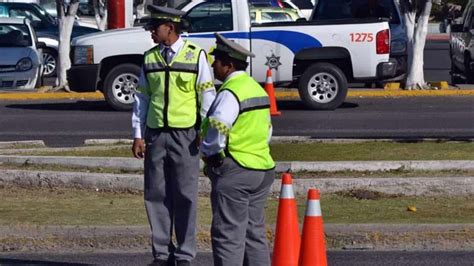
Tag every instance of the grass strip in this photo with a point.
(60, 206)
(366, 151)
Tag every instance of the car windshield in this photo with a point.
(46, 14)
(14, 35)
(348, 9)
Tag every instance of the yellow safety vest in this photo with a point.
(172, 88)
(247, 141)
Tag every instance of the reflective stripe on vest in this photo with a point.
(177, 66)
(247, 140)
(172, 88)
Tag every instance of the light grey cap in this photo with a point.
(232, 49)
(165, 13)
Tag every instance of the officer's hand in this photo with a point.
(214, 160)
(198, 141)
(138, 148)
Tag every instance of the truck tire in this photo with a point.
(323, 86)
(120, 86)
(455, 78)
(50, 62)
(468, 72)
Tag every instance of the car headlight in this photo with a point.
(398, 47)
(83, 55)
(24, 64)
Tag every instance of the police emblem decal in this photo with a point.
(189, 56)
(273, 61)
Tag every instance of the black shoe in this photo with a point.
(183, 263)
(158, 262)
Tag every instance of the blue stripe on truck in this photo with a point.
(295, 41)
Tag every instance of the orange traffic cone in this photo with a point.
(271, 93)
(313, 248)
(286, 247)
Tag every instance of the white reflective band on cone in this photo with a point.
(313, 208)
(287, 192)
(269, 80)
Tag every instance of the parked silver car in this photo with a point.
(20, 59)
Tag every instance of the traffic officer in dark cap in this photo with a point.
(238, 161)
(175, 90)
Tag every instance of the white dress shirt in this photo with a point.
(140, 107)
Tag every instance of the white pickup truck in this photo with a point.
(319, 58)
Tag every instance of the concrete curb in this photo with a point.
(275, 139)
(414, 186)
(279, 94)
(293, 166)
(292, 139)
(9, 144)
(20, 96)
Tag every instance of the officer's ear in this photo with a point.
(170, 26)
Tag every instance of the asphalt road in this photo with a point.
(69, 123)
(366, 258)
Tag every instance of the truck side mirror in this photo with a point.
(457, 28)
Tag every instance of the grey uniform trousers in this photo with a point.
(238, 199)
(171, 190)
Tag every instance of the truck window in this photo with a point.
(275, 16)
(210, 17)
(303, 4)
(353, 9)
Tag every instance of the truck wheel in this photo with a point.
(50, 62)
(455, 78)
(120, 86)
(468, 72)
(323, 86)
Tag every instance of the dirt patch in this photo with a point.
(363, 194)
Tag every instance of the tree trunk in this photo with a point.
(100, 11)
(101, 20)
(141, 9)
(66, 22)
(416, 32)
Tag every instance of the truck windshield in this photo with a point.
(14, 35)
(353, 9)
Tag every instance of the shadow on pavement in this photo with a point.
(34, 262)
(65, 106)
(298, 105)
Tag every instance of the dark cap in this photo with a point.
(230, 48)
(161, 14)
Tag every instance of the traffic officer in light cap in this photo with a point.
(235, 148)
(175, 91)
(161, 14)
(230, 48)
